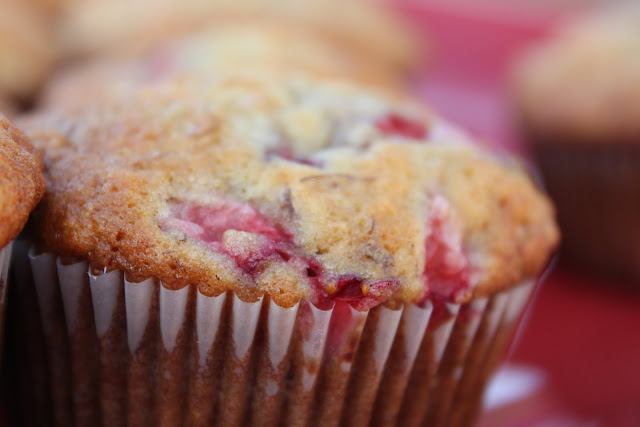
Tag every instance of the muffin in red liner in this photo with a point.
(262, 250)
(579, 104)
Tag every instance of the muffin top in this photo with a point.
(21, 182)
(227, 47)
(25, 49)
(583, 82)
(299, 188)
(362, 27)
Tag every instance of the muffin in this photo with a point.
(579, 105)
(21, 186)
(364, 28)
(225, 48)
(263, 250)
(26, 53)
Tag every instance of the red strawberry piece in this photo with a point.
(446, 269)
(396, 125)
(215, 219)
(207, 223)
(353, 290)
(284, 151)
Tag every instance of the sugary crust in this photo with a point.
(356, 201)
(582, 84)
(26, 53)
(247, 45)
(365, 28)
(21, 182)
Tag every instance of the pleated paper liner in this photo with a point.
(121, 353)
(594, 186)
(5, 261)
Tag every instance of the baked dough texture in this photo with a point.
(298, 188)
(21, 182)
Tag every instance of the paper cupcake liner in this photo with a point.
(595, 190)
(123, 353)
(5, 261)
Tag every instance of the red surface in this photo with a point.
(583, 332)
(468, 52)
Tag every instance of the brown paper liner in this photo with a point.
(122, 353)
(5, 261)
(595, 189)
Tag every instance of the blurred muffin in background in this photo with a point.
(53, 7)
(225, 48)
(579, 103)
(366, 28)
(26, 54)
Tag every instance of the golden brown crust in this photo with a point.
(356, 200)
(21, 182)
(582, 84)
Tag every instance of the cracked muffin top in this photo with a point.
(583, 82)
(299, 188)
(21, 182)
